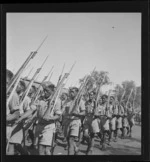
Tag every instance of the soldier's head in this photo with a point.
(48, 89)
(104, 98)
(100, 101)
(32, 91)
(73, 92)
(91, 95)
(112, 99)
(9, 76)
(21, 87)
(116, 102)
(64, 96)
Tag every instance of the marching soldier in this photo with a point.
(119, 120)
(73, 122)
(15, 137)
(124, 121)
(90, 126)
(64, 99)
(104, 121)
(46, 125)
(114, 112)
(130, 117)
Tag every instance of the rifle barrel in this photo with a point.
(72, 67)
(41, 43)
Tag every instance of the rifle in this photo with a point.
(39, 88)
(78, 96)
(53, 97)
(134, 98)
(24, 96)
(97, 96)
(13, 90)
(29, 73)
(60, 74)
(122, 95)
(19, 72)
(70, 71)
(129, 97)
(31, 82)
(50, 77)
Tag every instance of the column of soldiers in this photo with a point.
(43, 113)
(80, 121)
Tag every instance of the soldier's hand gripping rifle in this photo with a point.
(19, 72)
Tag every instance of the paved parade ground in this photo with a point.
(127, 146)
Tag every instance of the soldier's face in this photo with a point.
(100, 100)
(111, 100)
(31, 92)
(20, 88)
(47, 92)
(104, 99)
(73, 94)
(91, 96)
(63, 97)
(7, 81)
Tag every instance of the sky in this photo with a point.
(87, 38)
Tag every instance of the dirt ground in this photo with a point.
(127, 146)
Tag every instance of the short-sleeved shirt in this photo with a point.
(90, 107)
(69, 108)
(115, 110)
(102, 109)
(26, 104)
(120, 110)
(43, 105)
(13, 104)
(130, 112)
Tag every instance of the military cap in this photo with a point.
(9, 74)
(48, 85)
(104, 96)
(23, 84)
(74, 88)
(112, 97)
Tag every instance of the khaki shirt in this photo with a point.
(13, 104)
(120, 110)
(90, 106)
(42, 107)
(69, 107)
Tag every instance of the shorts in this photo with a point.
(104, 123)
(45, 134)
(113, 123)
(72, 127)
(119, 122)
(16, 134)
(125, 122)
(91, 125)
(131, 121)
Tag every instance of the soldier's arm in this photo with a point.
(27, 113)
(81, 110)
(13, 116)
(14, 109)
(57, 113)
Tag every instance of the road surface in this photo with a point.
(127, 146)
